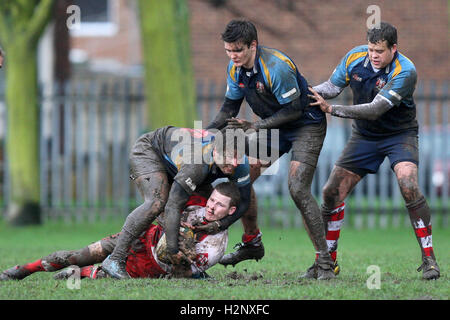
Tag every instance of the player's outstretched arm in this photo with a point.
(365, 111)
(328, 90)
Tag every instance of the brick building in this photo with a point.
(316, 34)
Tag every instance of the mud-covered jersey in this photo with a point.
(274, 82)
(396, 83)
(210, 247)
(188, 158)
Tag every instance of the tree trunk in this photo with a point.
(21, 25)
(169, 81)
(23, 134)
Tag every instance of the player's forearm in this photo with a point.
(230, 108)
(328, 90)
(365, 111)
(289, 113)
(175, 204)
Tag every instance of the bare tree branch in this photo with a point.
(39, 19)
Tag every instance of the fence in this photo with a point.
(89, 125)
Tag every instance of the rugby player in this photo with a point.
(275, 90)
(146, 258)
(382, 81)
(168, 165)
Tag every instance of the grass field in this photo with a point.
(288, 254)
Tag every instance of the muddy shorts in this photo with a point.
(143, 158)
(363, 155)
(305, 142)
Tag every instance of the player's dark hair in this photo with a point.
(229, 189)
(386, 32)
(228, 141)
(240, 30)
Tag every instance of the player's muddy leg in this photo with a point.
(57, 260)
(154, 188)
(251, 246)
(300, 179)
(419, 215)
(340, 183)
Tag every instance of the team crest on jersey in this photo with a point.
(356, 77)
(201, 259)
(380, 84)
(259, 87)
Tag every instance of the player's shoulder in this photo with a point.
(402, 64)
(232, 70)
(356, 54)
(275, 59)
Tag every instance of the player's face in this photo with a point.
(218, 206)
(241, 54)
(380, 55)
(1, 61)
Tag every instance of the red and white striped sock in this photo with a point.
(89, 272)
(252, 239)
(334, 223)
(423, 234)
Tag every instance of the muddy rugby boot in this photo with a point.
(66, 273)
(115, 268)
(14, 273)
(430, 269)
(245, 251)
(322, 269)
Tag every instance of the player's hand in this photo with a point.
(235, 123)
(179, 258)
(186, 243)
(320, 101)
(209, 228)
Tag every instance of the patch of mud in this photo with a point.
(244, 276)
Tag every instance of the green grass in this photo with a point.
(288, 254)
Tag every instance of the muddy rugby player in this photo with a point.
(275, 90)
(147, 257)
(383, 82)
(168, 165)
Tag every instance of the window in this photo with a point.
(98, 18)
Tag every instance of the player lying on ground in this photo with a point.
(168, 165)
(147, 258)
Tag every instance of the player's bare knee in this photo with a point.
(409, 188)
(96, 251)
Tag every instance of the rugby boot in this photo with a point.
(14, 273)
(311, 272)
(201, 275)
(322, 271)
(325, 267)
(115, 268)
(430, 269)
(66, 273)
(245, 251)
(336, 268)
